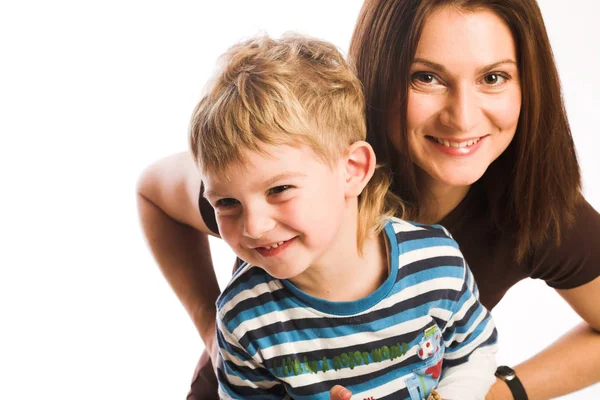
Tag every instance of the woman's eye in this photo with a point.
(279, 189)
(227, 202)
(424, 77)
(494, 79)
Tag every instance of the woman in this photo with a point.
(465, 108)
(485, 151)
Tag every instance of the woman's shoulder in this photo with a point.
(172, 184)
(575, 259)
(586, 217)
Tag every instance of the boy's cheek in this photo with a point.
(227, 233)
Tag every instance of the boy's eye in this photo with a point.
(279, 189)
(226, 202)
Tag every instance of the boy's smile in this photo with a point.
(274, 249)
(285, 210)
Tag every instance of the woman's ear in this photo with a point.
(360, 164)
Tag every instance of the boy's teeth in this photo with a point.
(274, 246)
(456, 144)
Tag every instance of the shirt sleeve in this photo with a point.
(575, 261)
(207, 211)
(456, 382)
(240, 375)
(470, 338)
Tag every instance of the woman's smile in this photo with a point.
(457, 147)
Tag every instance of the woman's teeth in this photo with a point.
(448, 143)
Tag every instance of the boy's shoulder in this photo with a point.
(421, 247)
(416, 242)
(251, 300)
(410, 230)
(247, 282)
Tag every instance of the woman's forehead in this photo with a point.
(455, 38)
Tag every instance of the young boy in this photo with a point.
(334, 290)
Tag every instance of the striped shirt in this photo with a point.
(278, 342)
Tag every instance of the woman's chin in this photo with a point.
(454, 178)
(450, 174)
(460, 181)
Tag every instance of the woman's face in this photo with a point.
(464, 96)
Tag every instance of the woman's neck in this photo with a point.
(440, 200)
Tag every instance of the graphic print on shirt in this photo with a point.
(424, 380)
(294, 366)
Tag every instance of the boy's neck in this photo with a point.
(350, 277)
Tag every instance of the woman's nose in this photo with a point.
(462, 110)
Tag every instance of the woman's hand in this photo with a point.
(339, 393)
(556, 370)
(499, 391)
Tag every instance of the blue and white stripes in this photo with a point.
(277, 341)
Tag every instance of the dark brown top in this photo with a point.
(490, 254)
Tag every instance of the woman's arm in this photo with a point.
(569, 364)
(167, 196)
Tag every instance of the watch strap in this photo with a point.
(514, 384)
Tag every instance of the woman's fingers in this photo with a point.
(339, 393)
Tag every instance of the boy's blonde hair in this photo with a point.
(290, 91)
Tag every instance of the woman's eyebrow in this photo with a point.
(480, 70)
(430, 64)
(495, 65)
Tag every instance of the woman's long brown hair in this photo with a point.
(534, 186)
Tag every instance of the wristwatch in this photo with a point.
(508, 375)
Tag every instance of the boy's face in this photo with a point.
(284, 211)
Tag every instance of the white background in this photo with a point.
(90, 93)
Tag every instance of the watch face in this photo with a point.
(505, 372)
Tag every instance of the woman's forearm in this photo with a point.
(569, 364)
(183, 254)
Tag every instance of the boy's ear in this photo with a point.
(360, 165)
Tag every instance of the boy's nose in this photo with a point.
(256, 224)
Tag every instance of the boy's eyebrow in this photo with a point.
(480, 70)
(209, 193)
(285, 175)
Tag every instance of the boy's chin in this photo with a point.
(282, 271)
